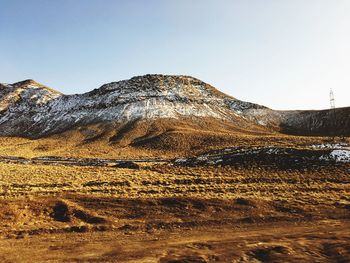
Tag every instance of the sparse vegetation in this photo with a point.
(223, 208)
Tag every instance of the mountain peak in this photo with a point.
(32, 84)
(162, 85)
(163, 77)
(159, 80)
(26, 82)
(24, 96)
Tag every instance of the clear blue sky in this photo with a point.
(285, 54)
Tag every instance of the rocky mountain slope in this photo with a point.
(32, 110)
(335, 122)
(149, 106)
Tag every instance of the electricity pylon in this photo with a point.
(331, 97)
(332, 116)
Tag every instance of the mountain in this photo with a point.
(153, 109)
(32, 110)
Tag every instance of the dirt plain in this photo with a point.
(157, 211)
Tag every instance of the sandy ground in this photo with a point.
(326, 241)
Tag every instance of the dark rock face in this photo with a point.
(30, 109)
(320, 123)
(307, 122)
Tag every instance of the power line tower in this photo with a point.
(332, 116)
(331, 97)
